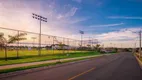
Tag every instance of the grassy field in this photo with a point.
(32, 56)
(23, 53)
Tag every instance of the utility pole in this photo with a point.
(134, 47)
(140, 43)
(40, 18)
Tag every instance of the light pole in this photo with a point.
(81, 32)
(40, 18)
(140, 43)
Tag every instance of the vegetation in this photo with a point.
(138, 56)
(35, 58)
(37, 66)
(11, 39)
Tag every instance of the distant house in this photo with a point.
(59, 47)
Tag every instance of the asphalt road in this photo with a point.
(121, 66)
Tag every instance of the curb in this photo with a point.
(139, 62)
(10, 74)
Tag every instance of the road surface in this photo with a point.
(122, 66)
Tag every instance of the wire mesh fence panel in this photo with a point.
(29, 46)
(58, 45)
(9, 44)
(46, 44)
(74, 45)
(66, 45)
(22, 44)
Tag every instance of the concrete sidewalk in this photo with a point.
(43, 62)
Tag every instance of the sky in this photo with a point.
(109, 21)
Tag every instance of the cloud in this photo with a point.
(78, 1)
(122, 38)
(125, 37)
(131, 30)
(126, 34)
(77, 20)
(107, 25)
(71, 12)
(124, 17)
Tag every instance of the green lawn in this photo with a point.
(31, 56)
(23, 53)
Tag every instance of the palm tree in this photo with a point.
(2, 40)
(98, 47)
(89, 46)
(15, 38)
(11, 39)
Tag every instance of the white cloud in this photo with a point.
(78, 1)
(121, 35)
(125, 37)
(107, 25)
(71, 12)
(124, 17)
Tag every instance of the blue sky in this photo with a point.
(106, 20)
(104, 13)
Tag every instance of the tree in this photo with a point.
(15, 38)
(98, 47)
(3, 40)
(11, 39)
(89, 47)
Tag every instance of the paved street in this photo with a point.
(122, 66)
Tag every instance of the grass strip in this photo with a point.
(46, 57)
(137, 55)
(37, 66)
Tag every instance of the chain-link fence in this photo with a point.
(17, 43)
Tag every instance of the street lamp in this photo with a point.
(40, 18)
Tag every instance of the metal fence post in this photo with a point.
(18, 47)
(5, 51)
(68, 46)
(53, 45)
(63, 46)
